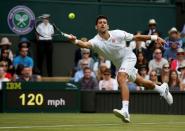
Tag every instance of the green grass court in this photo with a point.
(89, 122)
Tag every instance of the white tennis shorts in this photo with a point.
(128, 66)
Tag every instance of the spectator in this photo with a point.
(157, 62)
(4, 57)
(100, 72)
(174, 81)
(18, 72)
(27, 75)
(45, 30)
(5, 44)
(108, 83)
(2, 77)
(174, 37)
(151, 46)
(24, 42)
(79, 74)
(4, 65)
(165, 73)
(179, 60)
(141, 60)
(88, 82)
(181, 69)
(143, 71)
(101, 60)
(23, 58)
(153, 77)
(86, 57)
(152, 27)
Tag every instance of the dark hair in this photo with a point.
(101, 17)
(86, 68)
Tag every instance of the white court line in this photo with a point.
(92, 124)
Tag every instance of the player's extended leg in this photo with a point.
(123, 113)
(163, 89)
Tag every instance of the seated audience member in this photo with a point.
(157, 62)
(23, 58)
(88, 82)
(152, 27)
(143, 71)
(153, 77)
(181, 69)
(4, 57)
(179, 60)
(2, 77)
(141, 60)
(100, 72)
(5, 44)
(174, 81)
(4, 64)
(108, 83)
(165, 73)
(24, 42)
(27, 75)
(101, 60)
(174, 37)
(151, 46)
(79, 74)
(86, 57)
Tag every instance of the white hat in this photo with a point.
(83, 50)
(5, 41)
(45, 16)
(181, 66)
(173, 29)
(180, 50)
(152, 21)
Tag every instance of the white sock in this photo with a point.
(159, 89)
(125, 105)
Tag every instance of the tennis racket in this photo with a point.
(57, 31)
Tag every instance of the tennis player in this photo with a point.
(110, 44)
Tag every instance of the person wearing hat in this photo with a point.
(180, 58)
(45, 30)
(171, 52)
(24, 42)
(173, 37)
(5, 44)
(152, 27)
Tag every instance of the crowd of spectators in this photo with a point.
(159, 63)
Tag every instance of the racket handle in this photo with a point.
(67, 36)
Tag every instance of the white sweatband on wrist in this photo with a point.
(154, 37)
(76, 41)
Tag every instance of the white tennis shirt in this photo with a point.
(114, 48)
(46, 31)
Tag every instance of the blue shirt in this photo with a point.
(26, 61)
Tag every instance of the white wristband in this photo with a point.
(76, 41)
(154, 37)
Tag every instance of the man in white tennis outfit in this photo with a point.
(110, 44)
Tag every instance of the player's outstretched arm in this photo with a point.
(80, 43)
(149, 37)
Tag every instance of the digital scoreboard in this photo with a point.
(40, 97)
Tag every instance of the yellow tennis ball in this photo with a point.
(71, 16)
